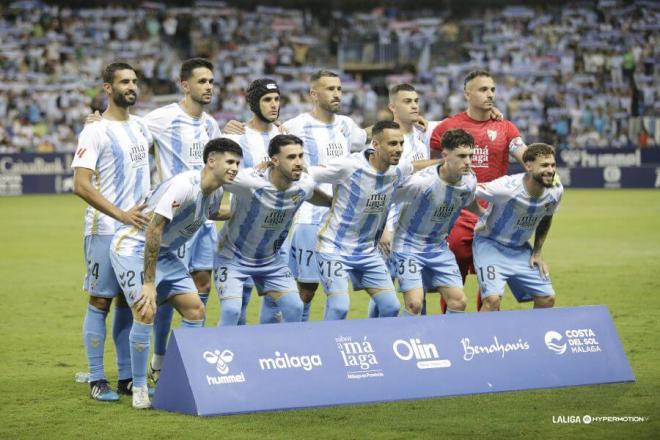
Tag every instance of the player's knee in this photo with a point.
(195, 313)
(389, 305)
(457, 301)
(202, 281)
(100, 303)
(414, 306)
(337, 306)
(307, 291)
(491, 302)
(230, 312)
(544, 302)
(147, 318)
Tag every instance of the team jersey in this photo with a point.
(178, 199)
(117, 153)
(362, 196)
(428, 207)
(512, 215)
(321, 143)
(254, 145)
(179, 139)
(262, 216)
(415, 146)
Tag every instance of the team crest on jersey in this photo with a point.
(492, 134)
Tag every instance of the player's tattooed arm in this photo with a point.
(539, 238)
(152, 239)
(83, 188)
(320, 198)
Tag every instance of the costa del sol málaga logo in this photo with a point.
(552, 341)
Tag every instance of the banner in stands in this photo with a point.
(606, 157)
(612, 176)
(224, 370)
(32, 173)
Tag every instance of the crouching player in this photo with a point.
(429, 203)
(519, 206)
(263, 208)
(178, 208)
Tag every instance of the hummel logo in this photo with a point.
(175, 204)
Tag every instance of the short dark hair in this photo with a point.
(537, 149)
(108, 74)
(282, 140)
(475, 73)
(380, 126)
(452, 139)
(403, 87)
(221, 145)
(193, 63)
(321, 73)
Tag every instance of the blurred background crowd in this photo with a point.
(574, 74)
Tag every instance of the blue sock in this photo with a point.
(230, 311)
(162, 325)
(423, 312)
(268, 311)
(190, 323)
(388, 304)
(204, 297)
(94, 340)
(306, 308)
(336, 306)
(140, 338)
(121, 327)
(247, 293)
(291, 307)
(372, 311)
(454, 311)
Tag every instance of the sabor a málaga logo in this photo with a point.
(359, 356)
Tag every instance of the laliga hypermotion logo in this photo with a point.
(220, 360)
(552, 339)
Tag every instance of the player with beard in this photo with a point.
(264, 205)
(263, 97)
(111, 174)
(494, 142)
(519, 206)
(326, 136)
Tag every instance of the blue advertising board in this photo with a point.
(32, 173)
(225, 370)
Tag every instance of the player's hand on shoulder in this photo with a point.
(263, 166)
(385, 242)
(422, 123)
(234, 127)
(93, 117)
(135, 217)
(496, 114)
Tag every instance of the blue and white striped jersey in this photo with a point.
(428, 208)
(512, 215)
(361, 201)
(415, 146)
(178, 199)
(254, 144)
(321, 143)
(117, 153)
(262, 216)
(179, 139)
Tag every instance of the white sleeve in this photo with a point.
(214, 131)
(89, 148)
(336, 171)
(291, 127)
(491, 190)
(243, 182)
(358, 136)
(156, 122)
(172, 199)
(406, 168)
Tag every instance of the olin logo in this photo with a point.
(426, 354)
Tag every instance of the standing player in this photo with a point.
(263, 208)
(429, 203)
(364, 184)
(519, 206)
(178, 208)
(111, 174)
(180, 131)
(263, 97)
(494, 141)
(326, 136)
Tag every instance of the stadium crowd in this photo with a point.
(584, 75)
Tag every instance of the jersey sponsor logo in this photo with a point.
(442, 213)
(376, 203)
(426, 354)
(196, 152)
(138, 155)
(527, 221)
(190, 229)
(221, 360)
(283, 361)
(335, 149)
(480, 157)
(274, 220)
(471, 350)
(492, 134)
(553, 341)
(359, 357)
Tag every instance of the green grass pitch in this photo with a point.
(603, 248)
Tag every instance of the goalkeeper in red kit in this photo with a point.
(494, 141)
